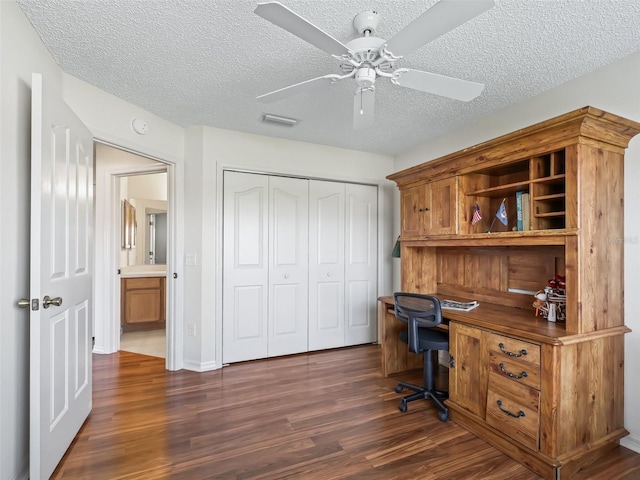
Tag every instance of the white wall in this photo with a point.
(21, 53)
(152, 186)
(615, 88)
(209, 150)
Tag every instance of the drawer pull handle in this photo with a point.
(513, 375)
(511, 354)
(514, 415)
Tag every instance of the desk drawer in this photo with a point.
(510, 348)
(514, 369)
(514, 410)
(142, 282)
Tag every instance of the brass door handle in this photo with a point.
(47, 301)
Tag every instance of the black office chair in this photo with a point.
(421, 313)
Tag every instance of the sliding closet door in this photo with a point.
(288, 265)
(326, 264)
(300, 265)
(361, 264)
(266, 283)
(246, 267)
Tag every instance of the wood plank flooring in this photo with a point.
(326, 415)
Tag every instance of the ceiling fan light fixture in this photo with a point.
(365, 77)
(279, 120)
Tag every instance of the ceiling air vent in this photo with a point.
(278, 120)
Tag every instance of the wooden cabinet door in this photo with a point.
(430, 209)
(443, 202)
(468, 378)
(143, 303)
(412, 204)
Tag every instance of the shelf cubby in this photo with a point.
(543, 177)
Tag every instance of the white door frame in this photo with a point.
(107, 335)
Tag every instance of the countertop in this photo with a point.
(136, 271)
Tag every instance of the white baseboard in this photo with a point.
(631, 442)
(200, 367)
(100, 351)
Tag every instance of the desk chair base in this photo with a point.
(423, 393)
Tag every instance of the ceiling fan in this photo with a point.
(367, 58)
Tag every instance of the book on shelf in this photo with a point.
(522, 211)
(526, 212)
(461, 306)
(519, 211)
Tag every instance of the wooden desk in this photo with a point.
(395, 356)
(485, 345)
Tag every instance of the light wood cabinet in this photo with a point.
(469, 368)
(430, 209)
(559, 406)
(142, 303)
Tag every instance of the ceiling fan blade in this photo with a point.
(438, 20)
(290, 21)
(455, 88)
(363, 103)
(307, 86)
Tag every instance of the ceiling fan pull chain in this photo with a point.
(361, 110)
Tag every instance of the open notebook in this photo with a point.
(462, 306)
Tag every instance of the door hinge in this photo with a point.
(452, 361)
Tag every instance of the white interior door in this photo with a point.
(326, 264)
(288, 265)
(61, 270)
(246, 267)
(361, 264)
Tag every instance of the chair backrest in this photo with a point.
(419, 311)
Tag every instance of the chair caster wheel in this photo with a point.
(399, 388)
(443, 416)
(402, 407)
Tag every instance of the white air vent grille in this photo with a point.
(278, 120)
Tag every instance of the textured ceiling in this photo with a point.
(203, 62)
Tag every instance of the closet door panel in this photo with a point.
(361, 264)
(288, 265)
(326, 264)
(245, 269)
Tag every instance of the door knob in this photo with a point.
(47, 301)
(24, 303)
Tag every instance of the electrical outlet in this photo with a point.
(191, 327)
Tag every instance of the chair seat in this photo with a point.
(428, 339)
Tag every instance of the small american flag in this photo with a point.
(477, 215)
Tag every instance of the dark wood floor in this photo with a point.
(327, 415)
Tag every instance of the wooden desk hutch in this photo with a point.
(550, 395)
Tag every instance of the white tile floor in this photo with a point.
(149, 342)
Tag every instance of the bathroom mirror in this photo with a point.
(156, 238)
(128, 225)
(151, 234)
